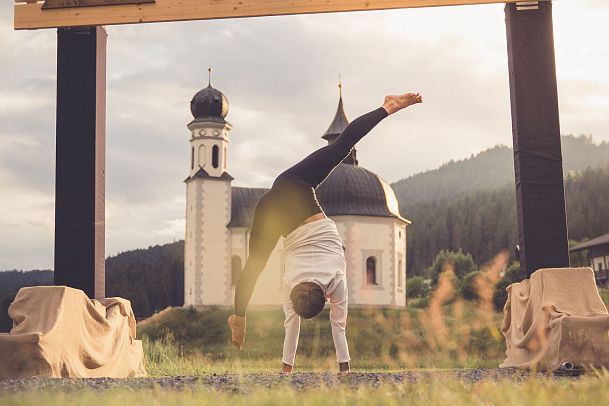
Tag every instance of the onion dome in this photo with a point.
(209, 103)
(353, 190)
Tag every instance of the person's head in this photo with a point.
(308, 299)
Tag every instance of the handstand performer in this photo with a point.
(314, 256)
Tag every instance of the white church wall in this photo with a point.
(268, 287)
(214, 245)
(399, 236)
(192, 240)
(366, 237)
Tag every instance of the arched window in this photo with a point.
(235, 266)
(371, 271)
(224, 166)
(192, 157)
(215, 152)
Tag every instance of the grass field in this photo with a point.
(447, 334)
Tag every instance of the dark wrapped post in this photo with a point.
(80, 162)
(542, 223)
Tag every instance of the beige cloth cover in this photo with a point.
(556, 315)
(59, 332)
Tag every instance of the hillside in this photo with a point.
(490, 169)
(483, 222)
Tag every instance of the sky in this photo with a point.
(280, 76)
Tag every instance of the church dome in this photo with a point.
(353, 190)
(209, 103)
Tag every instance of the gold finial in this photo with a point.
(209, 72)
(340, 87)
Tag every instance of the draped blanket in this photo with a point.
(555, 316)
(60, 332)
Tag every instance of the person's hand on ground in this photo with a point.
(395, 103)
(237, 328)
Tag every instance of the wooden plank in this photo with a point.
(31, 16)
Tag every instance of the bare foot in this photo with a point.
(287, 369)
(395, 103)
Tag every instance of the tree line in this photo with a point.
(484, 222)
(151, 278)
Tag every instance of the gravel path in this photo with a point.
(243, 383)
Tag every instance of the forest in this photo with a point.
(471, 204)
(151, 278)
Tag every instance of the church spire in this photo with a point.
(339, 123)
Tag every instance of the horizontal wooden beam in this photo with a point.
(30, 15)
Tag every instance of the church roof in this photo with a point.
(243, 203)
(353, 190)
(339, 123)
(348, 190)
(202, 173)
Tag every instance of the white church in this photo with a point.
(219, 215)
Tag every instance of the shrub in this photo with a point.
(512, 275)
(461, 263)
(468, 286)
(417, 287)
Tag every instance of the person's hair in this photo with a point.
(308, 299)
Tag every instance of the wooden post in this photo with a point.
(80, 163)
(542, 223)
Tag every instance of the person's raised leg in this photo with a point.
(317, 166)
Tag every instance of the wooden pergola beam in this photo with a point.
(29, 15)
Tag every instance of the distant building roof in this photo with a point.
(595, 242)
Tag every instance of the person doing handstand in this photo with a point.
(314, 254)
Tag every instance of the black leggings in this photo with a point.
(292, 199)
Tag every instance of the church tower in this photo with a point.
(208, 200)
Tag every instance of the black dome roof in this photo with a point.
(209, 103)
(353, 190)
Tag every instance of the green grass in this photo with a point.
(462, 334)
(590, 390)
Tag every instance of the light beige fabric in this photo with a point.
(556, 315)
(59, 332)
